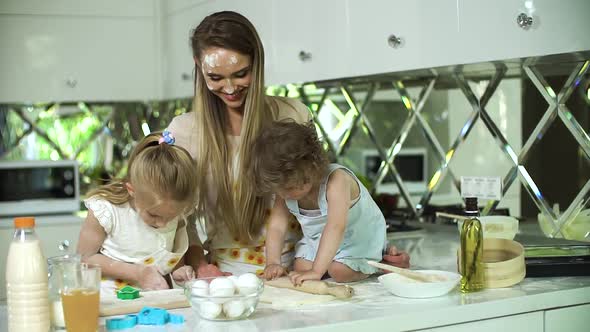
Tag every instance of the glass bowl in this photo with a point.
(240, 304)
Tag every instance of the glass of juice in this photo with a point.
(80, 298)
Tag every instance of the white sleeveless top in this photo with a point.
(129, 239)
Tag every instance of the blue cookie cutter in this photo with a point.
(147, 316)
(152, 316)
(176, 319)
(123, 323)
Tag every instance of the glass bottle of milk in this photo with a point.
(26, 280)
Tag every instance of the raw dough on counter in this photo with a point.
(288, 298)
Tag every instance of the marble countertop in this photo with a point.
(373, 307)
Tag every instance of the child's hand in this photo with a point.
(297, 278)
(210, 270)
(183, 274)
(272, 271)
(150, 278)
(394, 257)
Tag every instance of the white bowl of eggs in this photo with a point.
(224, 298)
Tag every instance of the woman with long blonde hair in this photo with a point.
(229, 111)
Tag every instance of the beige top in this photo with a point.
(227, 252)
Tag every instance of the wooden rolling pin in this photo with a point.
(165, 299)
(313, 287)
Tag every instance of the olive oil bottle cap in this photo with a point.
(471, 205)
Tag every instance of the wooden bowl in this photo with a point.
(503, 262)
(502, 227)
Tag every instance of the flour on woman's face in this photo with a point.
(228, 74)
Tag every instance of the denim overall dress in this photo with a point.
(365, 235)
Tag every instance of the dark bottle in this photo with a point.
(471, 260)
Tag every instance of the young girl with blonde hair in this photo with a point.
(136, 226)
(342, 225)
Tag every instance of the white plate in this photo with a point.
(404, 287)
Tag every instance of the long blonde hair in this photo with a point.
(166, 169)
(236, 204)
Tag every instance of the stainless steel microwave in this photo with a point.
(36, 187)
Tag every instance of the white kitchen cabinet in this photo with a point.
(569, 319)
(531, 322)
(177, 54)
(310, 41)
(489, 29)
(67, 50)
(51, 230)
(111, 8)
(181, 17)
(395, 35)
(71, 57)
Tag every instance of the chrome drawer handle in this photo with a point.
(186, 77)
(64, 245)
(524, 21)
(304, 56)
(394, 41)
(71, 82)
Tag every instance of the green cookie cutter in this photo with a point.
(128, 293)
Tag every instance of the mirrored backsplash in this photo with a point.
(523, 120)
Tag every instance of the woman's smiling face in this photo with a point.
(228, 74)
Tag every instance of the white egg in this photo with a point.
(209, 310)
(200, 288)
(233, 309)
(251, 302)
(248, 283)
(234, 279)
(221, 287)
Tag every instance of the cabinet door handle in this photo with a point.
(304, 56)
(71, 82)
(524, 21)
(64, 245)
(186, 77)
(394, 41)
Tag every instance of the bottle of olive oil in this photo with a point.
(472, 270)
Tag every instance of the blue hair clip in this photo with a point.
(167, 138)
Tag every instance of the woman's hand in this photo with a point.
(210, 270)
(396, 258)
(273, 271)
(297, 278)
(150, 279)
(183, 274)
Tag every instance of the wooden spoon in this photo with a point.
(451, 216)
(418, 276)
